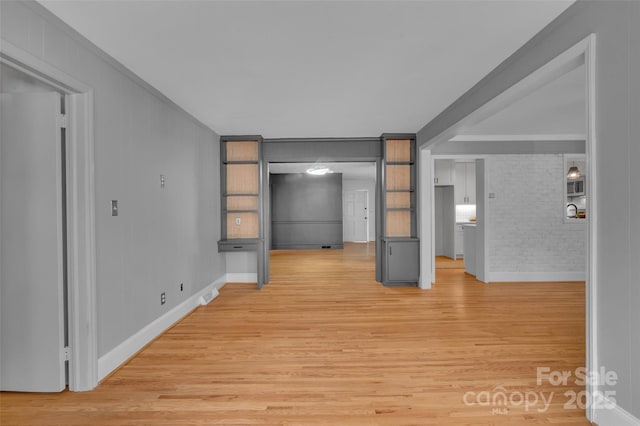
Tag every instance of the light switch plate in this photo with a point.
(114, 207)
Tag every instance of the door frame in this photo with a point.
(582, 53)
(81, 246)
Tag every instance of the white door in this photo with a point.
(31, 272)
(356, 215)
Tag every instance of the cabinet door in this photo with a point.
(460, 190)
(443, 172)
(470, 182)
(459, 241)
(403, 261)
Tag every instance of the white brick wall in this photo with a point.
(527, 237)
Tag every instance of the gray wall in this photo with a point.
(306, 211)
(615, 24)
(163, 236)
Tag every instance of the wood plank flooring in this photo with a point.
(443, 262)
(324, 344)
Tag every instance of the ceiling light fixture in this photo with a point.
(318, 171)
(573, 172)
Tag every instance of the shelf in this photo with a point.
(400, 163)
(240, 162)
(240, 211)
(238, 244)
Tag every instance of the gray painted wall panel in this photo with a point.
(615, 24)
(305, 150)
(306, 210)
(162, 237)
(634, 198)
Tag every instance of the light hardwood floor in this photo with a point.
(324, 344)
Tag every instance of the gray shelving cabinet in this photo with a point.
(241, 197)
(400, 245)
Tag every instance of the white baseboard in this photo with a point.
(536, 276)
(241, 277)
(121, 353)
(616, 416)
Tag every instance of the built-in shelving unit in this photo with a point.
(241, 187)
(401, 263)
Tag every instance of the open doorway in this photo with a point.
(323, 205)
(536, 162)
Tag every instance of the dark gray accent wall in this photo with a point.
(617, 30)
(306, 211)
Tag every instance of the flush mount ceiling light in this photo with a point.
(319, 170)
(573, 172)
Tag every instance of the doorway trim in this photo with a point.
(81, 249)
(582, 53)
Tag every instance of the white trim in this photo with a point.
(83, 336)
(241, 277)
(536, 276)
(518, 138)
(125, 350)
(592, 218)
(426, 214)
(616, 416)
(83, 322)
(35, 67)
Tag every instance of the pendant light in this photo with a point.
(574, 173)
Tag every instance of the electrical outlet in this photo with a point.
(238, 221)
(181, 286)
(114, 207)
(162, 180)
(163, 298)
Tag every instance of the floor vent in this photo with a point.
(206, 298)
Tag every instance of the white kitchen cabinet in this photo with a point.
(465, 187)
(444, 172)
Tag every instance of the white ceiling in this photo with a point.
(348, 170)
(310, 68)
